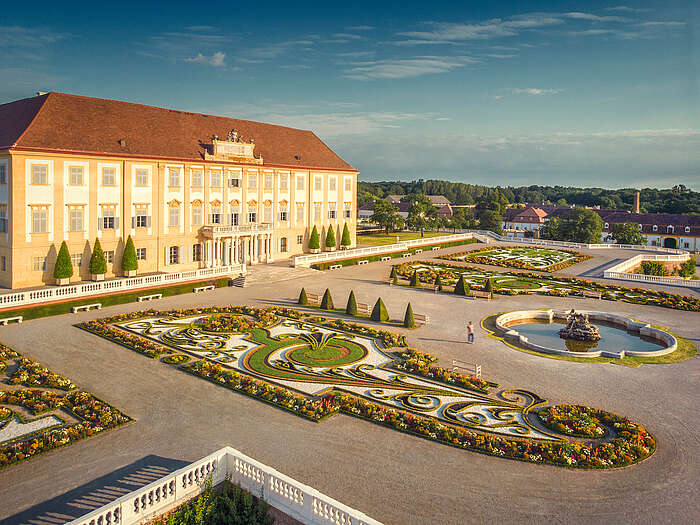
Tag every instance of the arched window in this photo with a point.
(669, 229)
(655, 228)
(607, 226)
(687, 229)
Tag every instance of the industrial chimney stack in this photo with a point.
(637, 198)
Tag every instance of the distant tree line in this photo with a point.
(677, 199)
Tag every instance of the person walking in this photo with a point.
(470, 332)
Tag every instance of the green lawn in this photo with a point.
(380, 239)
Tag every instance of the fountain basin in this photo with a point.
(664, 341)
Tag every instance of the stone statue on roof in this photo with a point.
(232, 136)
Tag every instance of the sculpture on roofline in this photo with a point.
(232, 136)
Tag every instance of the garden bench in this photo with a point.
(86, 307)
(203, 288)
(387, 258)
(420, 318)
(363, 261)
(363, 308)
(404, 255)
(6, 320)
(435, 248)
(472, 368)
(314, 297)
(418, 251)
(335, 266)
(594, 295)
(480, 294)
(149, 297)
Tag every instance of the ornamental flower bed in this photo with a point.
(176, 359)
(572, 420)
(31, 373)
(475, 256)
(227, 323)
(419, 364)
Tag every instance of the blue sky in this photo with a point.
(510, 93)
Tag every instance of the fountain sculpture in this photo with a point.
(579, 328)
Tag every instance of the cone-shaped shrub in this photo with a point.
(345, 239)
(438, 283)
(327, 301)
(408, 320)
(379, 312)
(303, 299)
(314, 240)
(129, 261)
(461, 288)
(414, 278)
(98, 263)
(351, 307)
(330, 237)
(489, 287)
(63, 269)
(395, 280)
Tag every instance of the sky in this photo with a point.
(579, 93)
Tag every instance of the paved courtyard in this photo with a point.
(393, 477)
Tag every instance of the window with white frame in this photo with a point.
(347, 212)
(317, 211)
(348, 183)
(284, 214)
(76, 259)
(196, 252)
(234, 180)
(268, 181)
(109, 218)
(284, 182)
(332, 181)
(76, 175)
(174, 177)
(3, 262)
(283, 244)
(142, 177)
(215, 217)
(3, 218)
(252, 214)
(109, 257)
(140, 254)
(196, 215)
(235, 218)
(109, 176)
(300, 213)
(300, 182)
(216, 179)
(76, 219)
(39, 264)
(318, 183)
(197, 178)
(40, 174)
(252, 181)
(300, 239)
(331, 210)
(3, 173)
(141, 217)
(174, 255)
(39, 219)
(174, 215)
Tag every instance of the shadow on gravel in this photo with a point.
(598, 270)
(99, 492)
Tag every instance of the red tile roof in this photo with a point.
(72, 123)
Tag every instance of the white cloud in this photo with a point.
(405, 67)
(625, 9)
(28, 37)
(216, 59)
(360, 28)
(535, 91)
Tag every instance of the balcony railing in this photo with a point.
(213, 230)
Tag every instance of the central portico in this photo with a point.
(239, 244)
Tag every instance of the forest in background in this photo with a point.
(677, 199)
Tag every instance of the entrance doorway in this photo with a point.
(670, 242)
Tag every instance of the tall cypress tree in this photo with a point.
(414, 278)
(314, 240)
(63, 269)
(379, 312)
(303, 299)
(327, 301)
(129, 260)
(98, 263)
(330, 237)
(351, 307)
(345, 239)
(461, 288)
(408, 320)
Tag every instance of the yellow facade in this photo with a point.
(180, 213)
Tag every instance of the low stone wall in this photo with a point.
(644, 329)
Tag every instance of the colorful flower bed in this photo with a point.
(479, 257)
(560, 286)
(177, 359)
(227, 323)
(572, 420)
(389, 339)
(418, 363)
(31, 373)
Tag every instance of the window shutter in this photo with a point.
(116, 222)
(182, 256)
(133, 223)
(148, 221)
(99, 223)
(165, 253)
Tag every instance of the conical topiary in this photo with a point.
(408, 320)
(414, 278)
(63, 269)
(438, 283)
(461, 288)
(98, 263)
(327, 301)
(345, 239)
(330, 238)
(303, 299)
(379, 312)
(489, 287)
(129, 261)
(351, 307)
(314, 240)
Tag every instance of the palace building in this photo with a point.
(192, 190)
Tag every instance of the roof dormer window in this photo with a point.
(655, 228)
(669, 229)
(687, 229)
(607, 226)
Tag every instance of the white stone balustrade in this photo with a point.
(295, 499)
